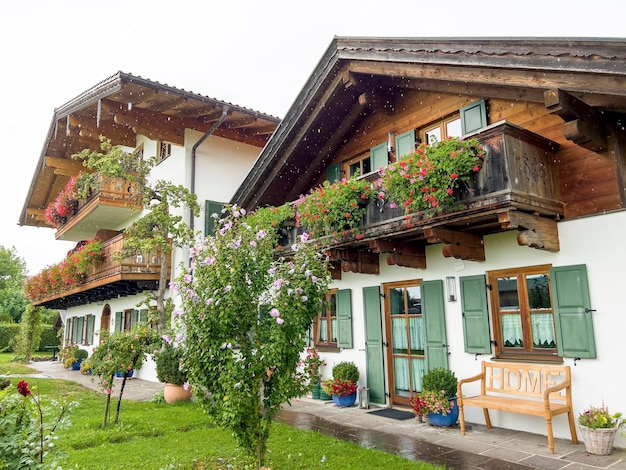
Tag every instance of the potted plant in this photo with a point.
(312, 367)
(343, 386)
(335, 209)
(79, 356)
(86, 367)
(426, 180)
(439, 396)
(598, 427)
(169, 371)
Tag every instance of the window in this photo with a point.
(164, 150)
(126, 320)
(210, 222)
(333, 326)
(360, 166)
(523, 316)
(442, 130)
(325, 329)
(537, 312)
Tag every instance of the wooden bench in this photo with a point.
(530, 389)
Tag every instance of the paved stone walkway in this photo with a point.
(480, 448)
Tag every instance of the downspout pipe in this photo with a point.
(208, 133)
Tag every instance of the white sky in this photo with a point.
(256, 54)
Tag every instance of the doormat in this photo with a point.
(393, 413)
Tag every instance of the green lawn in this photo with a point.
(180, 436)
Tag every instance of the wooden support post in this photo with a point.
(459, 245)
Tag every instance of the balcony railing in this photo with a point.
(114, 202)
(517, 174)
(111, 278)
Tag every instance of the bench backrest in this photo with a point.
(528, 380)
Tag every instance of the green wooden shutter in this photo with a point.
(405, 143)
(119, 316)
(210, 208)
(433, 313)
(143, 315)
(572, 311)
(91, 321)
(374, 366)
(344, 318)
(473, 116)
(79, 331)
(333, 173)
(379, 156)
(68, 328)
(475, 314)
(134, 318)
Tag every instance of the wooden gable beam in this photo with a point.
(583, 124)
(65, 166)
(356, 261)
(535, 231)
(401, 254)
(459, 245)
(377, 101)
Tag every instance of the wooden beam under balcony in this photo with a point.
(356, 261)
(534, 231)
(401, 254)
(64, 166)
(459, 245)
(583, 124)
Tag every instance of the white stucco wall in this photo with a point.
(595, 241)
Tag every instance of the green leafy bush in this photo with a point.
(438, 379)
(7, 332)
(81, 354)
(346, 371)
(168, 366)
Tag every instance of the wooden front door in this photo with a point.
(105, 321)
(405, 338)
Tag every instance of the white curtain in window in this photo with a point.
(512, 330)
(543, 328)
(401, 373)
(418, 366)
(323, 336)
(415, 332)
(398, 331)
(333, 330)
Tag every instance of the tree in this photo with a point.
(245, 314)
(159, 229)
(28, 339)
(121, 353)
(12, 274)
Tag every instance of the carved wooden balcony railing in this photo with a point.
(111, 278)
(516, 189)
(114, 203)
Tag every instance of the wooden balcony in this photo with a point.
(516, 189)
(112, 278)
(110, 207)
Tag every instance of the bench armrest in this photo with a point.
(480, 376)
(565, 384)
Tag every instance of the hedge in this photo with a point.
(9, 330)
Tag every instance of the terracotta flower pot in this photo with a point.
(173, 393)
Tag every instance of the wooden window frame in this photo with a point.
(527, 352)
(358, 159)
(326, 345)
(439, 123)
(164, 151)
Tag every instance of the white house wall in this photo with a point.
(596, 242)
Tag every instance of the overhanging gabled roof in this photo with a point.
(328, 108)
(120, 107)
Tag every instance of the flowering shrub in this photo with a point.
(245, 313)
(64, 206)
(418, 405)
(599, 418)
(334, 209)
(312, 365)
(69, 272)
(339, 387)
(426, 179)
(433, 402)
(30, 427)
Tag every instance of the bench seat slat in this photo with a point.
(516, 405)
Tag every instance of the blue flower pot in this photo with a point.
(438, 419)
(120, 374)
(345, 400)
(76, 364)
